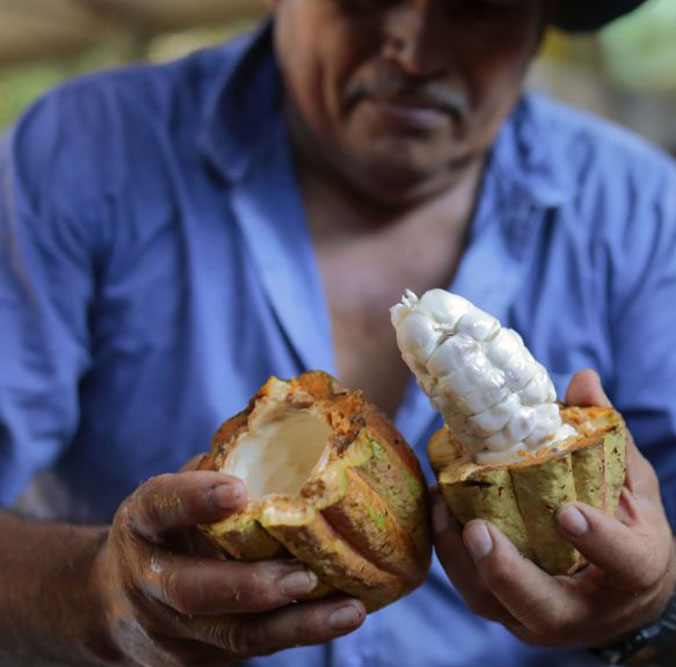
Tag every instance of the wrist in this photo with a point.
(653, 645)
(51, 608)
(98, 634)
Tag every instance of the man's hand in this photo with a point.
(169, 608)
(632, 571)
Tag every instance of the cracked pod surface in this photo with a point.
(522, 498)
(332, 483)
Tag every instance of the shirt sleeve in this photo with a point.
(643, 326)
(47, 283)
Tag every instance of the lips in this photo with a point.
(407, 113)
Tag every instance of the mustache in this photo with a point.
(395, 85)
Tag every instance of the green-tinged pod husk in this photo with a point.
(522, 498)
(332, 483)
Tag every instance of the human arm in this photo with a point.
(125, 596)
(45, 608)
(628, 584)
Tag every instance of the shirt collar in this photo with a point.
(248, 92)
(526, 159)
(246, 95)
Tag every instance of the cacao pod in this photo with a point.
(522, 498)
(332, 483)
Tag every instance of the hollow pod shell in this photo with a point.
(332, 483)
(522, 498)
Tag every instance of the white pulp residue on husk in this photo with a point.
(496, 398)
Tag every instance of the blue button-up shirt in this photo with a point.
(156, 268)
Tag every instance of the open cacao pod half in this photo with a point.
(332, 483)
(522, 498)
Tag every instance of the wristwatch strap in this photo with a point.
(661, 634)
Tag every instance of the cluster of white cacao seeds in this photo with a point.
(498, 401)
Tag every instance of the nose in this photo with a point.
(417, 37)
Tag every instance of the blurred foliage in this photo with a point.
(627, 72)
(23, 83)
(172, 46)
(636, 54)
(640, 52)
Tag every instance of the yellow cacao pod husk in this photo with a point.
(522, 498)
(332, 483)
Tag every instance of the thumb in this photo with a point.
(585, 390)
(169, 504)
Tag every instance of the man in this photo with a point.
(172, 236)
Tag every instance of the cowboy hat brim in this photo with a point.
(587, 15)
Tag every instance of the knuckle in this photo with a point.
(256, 589)
(156, 509)
(648, 570)
(248, 590)
(250, 597)
(645, 578)
(175, 593)
(238, 639)
(542, 620)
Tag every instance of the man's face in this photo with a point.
(396, 94)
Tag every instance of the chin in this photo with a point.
(391, 186)
(393, 180)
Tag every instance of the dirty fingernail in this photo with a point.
(295, 584)
(345, 618)
(478, 540)
(572, 521)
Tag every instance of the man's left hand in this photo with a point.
(628, 583)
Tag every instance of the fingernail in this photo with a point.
(227, 496)
(478, 540)
(300, 582)
(440, 517)
(345, 618)
(572, 521)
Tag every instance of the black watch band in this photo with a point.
(661, 634)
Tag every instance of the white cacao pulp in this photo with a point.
(498, 401)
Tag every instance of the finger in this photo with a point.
(195, 541)
(536, 600)
(203, 587)
(641, 478)
(296, 625)
(172, 503)
(634, 558)
(458, 564)
(585, 389)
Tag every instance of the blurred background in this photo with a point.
(626, 73)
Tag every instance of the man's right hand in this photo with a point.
(168, 608)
